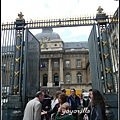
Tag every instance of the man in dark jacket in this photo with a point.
(46, 104)
(74, 102)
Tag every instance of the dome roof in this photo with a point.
(47, 33)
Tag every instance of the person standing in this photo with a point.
(55, 100)
(98, 106)
(74, 102)
(81, 99)
(81, 115)
(33, 108)
(89, 104)
(61, 100)
(46, 105)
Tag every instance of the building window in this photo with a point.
(55, 64)
(44, 64)
(78, 63)
(56, 79)
(79, 78)
(68, 78)
(45, 79)
(67, 63)
(55, 44)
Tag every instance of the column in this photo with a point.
(107, 60)
(17, 62)
(50, 83)
(61, 72)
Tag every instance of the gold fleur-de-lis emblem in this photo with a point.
(107, 70)
(104, 43)
(16, 73)
(16, 87)
(20, 15)
(109, 85)
(19, 35)
(17, 60)
(106, 55)
(103, 30)
(100, 10)
(18, 47)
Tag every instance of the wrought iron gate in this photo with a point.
(31, 82)
(20, 70)
(95, 67)
(101, 66)
(21, 61)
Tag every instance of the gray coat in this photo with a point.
(33, 110)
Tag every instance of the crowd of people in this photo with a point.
(64, 107)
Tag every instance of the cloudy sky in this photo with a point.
(37, 9)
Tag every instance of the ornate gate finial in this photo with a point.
(20, 15)
(100, 10)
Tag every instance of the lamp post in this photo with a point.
(68, 83)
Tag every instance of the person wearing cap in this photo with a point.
(33, 108)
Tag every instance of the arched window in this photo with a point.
(45, 79)
(56, 79)
(68, 78)
(79, 78)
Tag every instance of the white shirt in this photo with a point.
(54, 102)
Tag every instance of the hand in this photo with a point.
(79, 113)
(43, 112)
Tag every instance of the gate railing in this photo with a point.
(61, 22)
(8, 39)
(104, 62)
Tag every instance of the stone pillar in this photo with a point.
(50, 83)
(61, 71)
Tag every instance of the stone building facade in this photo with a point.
(63, 64)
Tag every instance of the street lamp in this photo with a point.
(68, 83)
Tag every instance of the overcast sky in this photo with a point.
(36, 9)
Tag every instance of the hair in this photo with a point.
(63, 90)
(38, 93)
(66, 106)
(73, 89)
(90, 90)
(98, 99)
(63, 97)
(44, 90)
(57, 94)
(80, 95)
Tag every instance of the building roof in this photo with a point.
(47, 33)
(76, 45)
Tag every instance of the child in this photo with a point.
(64, 112)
